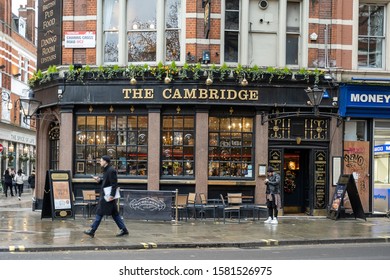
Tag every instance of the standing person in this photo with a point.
(19, 179)
(31, 182)
(109, 207)
(272, 195)
(7, 183)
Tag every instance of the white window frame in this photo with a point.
(223, 30)
(122, 43)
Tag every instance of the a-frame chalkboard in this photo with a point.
(57, 198)
(346, 184)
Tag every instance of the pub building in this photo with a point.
(204, 134)
(191, 136)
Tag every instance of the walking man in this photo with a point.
(109, 207)
(272, 196)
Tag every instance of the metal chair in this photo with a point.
(191, 204)
(180, 204)
(78, 204)
(89, 197)
(232, 206)
(206, 206)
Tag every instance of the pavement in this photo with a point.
(22, 229)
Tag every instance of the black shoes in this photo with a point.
(90, 232)
(123, 232)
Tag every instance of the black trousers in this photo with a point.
(272, 208)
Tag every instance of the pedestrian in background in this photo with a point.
(7, 183)
(31, 182)
(272, 196)
(13, 173)
(19, 179)
(109, 207)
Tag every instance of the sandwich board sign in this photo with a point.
(57, 199)
(345, 184)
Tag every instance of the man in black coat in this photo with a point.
(108, 205)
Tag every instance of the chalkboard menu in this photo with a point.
(58, 198)
(345, 184)
(49, 33)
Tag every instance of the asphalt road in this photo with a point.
(361, 251)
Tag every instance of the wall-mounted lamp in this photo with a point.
(28, 106)
(2, 66)
(17, 75)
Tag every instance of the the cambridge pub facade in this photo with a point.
(209, 131)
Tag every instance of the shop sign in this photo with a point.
(80, 39)
(382, 149)
(49, 33)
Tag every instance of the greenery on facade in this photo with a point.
(170, 72)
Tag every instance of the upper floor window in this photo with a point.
(152, 32)
(232, 28)
(110, 30)
(293, 32)
(371, 36)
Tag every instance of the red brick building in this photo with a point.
(119, 93)
(17, 65)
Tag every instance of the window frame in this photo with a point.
(122, 31)
(98, 131)
(164, 171)
(368, 37)
(242, 148)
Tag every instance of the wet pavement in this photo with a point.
(22, 229)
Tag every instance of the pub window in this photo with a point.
(178, 146)
(231, 147)
(172, 29)
(123, 138)
(232, 28)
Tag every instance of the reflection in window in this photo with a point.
(371, 36)
(141, 30)
(110, 30)
(172, 29)
(178, 145)
(123, 138)
(230, 147)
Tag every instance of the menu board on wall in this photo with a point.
(49, 33)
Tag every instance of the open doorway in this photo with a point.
(296, 181)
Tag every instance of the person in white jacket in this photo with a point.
(19, 179)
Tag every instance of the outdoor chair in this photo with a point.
(191, 204)
(205, 206)
(89, 197)
(232, 206)
(180, 205)
(77, 203)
